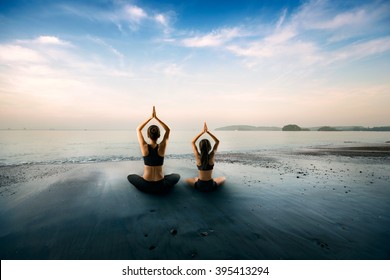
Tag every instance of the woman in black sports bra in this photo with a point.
(205, 163)
(153, 179)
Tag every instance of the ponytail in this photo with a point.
(205, 147)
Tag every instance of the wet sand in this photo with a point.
(306, 204)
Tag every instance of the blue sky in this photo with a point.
(104, 64)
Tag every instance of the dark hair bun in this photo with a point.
(153, 132)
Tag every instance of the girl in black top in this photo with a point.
(153, 179)
(205, 163)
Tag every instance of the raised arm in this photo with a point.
(194, 147)
(163, 143)
(214, 138)
(166, 128)
(142, 143)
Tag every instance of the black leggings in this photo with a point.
(161, 186)
(206, 186)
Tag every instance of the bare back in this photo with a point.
(205, 175)
(153, 173)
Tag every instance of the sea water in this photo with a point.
(78, 146)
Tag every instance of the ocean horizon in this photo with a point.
(79, 146)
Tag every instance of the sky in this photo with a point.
(103, 64)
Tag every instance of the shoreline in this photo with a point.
(286, 205)
(351, 151)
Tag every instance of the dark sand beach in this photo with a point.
(298, 204)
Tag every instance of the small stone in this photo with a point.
(173, 232)
(152, 247)
(204, 233)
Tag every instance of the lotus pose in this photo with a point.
(153, 180)
(205, 163)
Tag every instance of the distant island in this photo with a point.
(328, 128)
(351, 128)
(294, 127)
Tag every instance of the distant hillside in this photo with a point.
(355, 128)
(321, 128)
(327, 128)
(248, 128)
(294, 127)
(380, 128)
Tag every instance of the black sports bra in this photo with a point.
(153, 158)
(205, 168)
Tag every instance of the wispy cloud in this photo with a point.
(270, 49)
(52, 40)
(123, 15)
(46, 76)
(212, 39)
(359, 50)
(353, 18)
(134, 13)
(131, 14)
(44, 41)
(162, 19)
(281, 19)
(48, 58)
(109, 47)
(324, 15)
(15, 53)
(292, 36)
